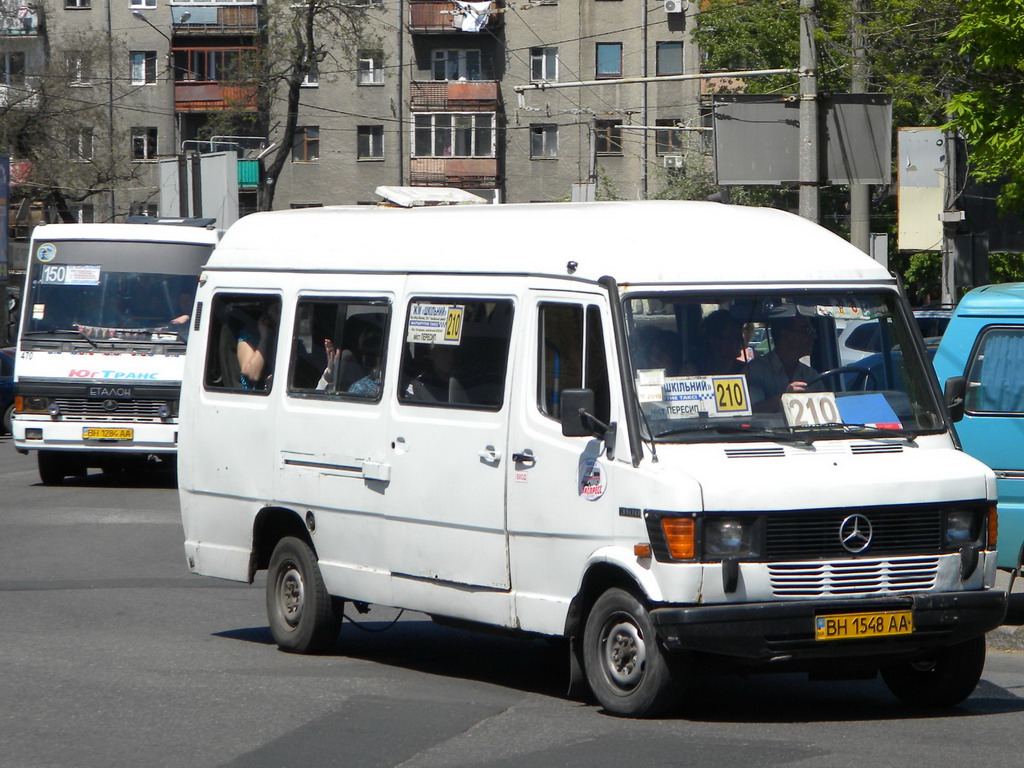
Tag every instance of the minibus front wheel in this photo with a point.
(303, 617)
(626, 667)
(943, 678)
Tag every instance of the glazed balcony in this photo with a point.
(215, 19)
(455, 96)
(18, 19)
(444, 16)
(475, 172)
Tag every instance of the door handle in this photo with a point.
(524, 457)
(490, 454)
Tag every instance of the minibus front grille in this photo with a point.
(853, 577)
(82, 409)
(816, 535)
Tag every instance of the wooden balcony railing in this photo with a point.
(478, 172)
(455, 96)
(213, 97)
(443, 16)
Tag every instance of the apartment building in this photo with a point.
(516, 101)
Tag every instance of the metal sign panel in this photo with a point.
(757, 139)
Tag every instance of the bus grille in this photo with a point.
(81, 409)
(853, 577)
(815, 535)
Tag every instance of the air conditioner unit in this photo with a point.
(673, 6)
(673, 161)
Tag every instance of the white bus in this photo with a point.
(105, 318)
(521, 416)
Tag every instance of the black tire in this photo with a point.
(8, 420)
(53, 467)
(303, 616)
(626, 668)
(943, 678)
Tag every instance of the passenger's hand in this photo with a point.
(797, 386)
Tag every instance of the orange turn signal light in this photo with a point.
(993, 526)
(680, 535)
(642, 550)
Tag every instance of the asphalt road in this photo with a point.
(112, 655)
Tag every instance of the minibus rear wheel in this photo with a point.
(944, 678)
(303, 616)
(628, 672)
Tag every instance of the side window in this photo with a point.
(243, 342)
(994, 380)
(456, 352)
(572, 356)
(338, 348)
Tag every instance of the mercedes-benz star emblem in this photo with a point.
(110, 405)
(855, 533)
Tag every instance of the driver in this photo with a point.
(781, 370)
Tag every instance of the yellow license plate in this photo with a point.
(845, 626)
(107, 433)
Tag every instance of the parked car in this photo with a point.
(6, 388)
(984, 343)
(862, 338)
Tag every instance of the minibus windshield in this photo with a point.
(773, 366)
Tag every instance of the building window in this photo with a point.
(458, 65)
(608, 137)
(609, 59)
(544, 64)
(448, 134)
(306, 145)
(143, 143)
(80, 143)
(12, 68)
(668, 142)
(312, 78)
(371, 69)
(543, 141)
(78, 3)
(78, 68)
(669, 58)
(370, 142)
(143, 65)
(83, 213)
(142, 4)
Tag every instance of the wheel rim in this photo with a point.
(623, 652)
(290, 596)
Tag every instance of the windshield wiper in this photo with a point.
(786, 434)
(54, 332)
(862, 430)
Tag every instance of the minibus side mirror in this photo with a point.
(578, 418)
(954, 393)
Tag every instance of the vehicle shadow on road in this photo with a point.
(149, 478)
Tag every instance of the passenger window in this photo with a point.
(338, 349)
(456, 352)
(243, 343)
(994, 380)
(572, 356)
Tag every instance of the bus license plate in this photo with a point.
(845, 626)
(107, 433)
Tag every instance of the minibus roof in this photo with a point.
(1005, 299)
(636, 242)
(139, 233)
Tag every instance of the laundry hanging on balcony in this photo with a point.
(471, 17)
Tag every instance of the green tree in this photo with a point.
(990, 112)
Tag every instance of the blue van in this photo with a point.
(984, 344)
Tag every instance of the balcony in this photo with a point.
(17, 19)
(476, 172)
(215, 20)
(445, 16)
(248, 174)
(21, 93)
(455, 96)
(213, 97)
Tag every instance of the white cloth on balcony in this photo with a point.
(472, 17)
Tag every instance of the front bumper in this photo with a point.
(784, 631)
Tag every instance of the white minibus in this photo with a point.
(104, 324)
(547, 419)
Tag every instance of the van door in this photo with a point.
(448, 436)
(562, 489)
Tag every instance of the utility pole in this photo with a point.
(810, 170)
(951, 217)
(860, 194)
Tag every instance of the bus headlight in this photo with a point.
(32, 404)
(727, 537)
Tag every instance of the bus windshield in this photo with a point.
(756, 366)
(111, 292)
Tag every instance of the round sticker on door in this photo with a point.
(46, 252)
(590, 479)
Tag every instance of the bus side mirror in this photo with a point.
(954, 393)
(578, 419)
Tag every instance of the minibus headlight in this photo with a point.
(727, 537)
(960, 527)
(32, 405)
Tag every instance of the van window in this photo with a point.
(243, 342)
(994, 381)
(456, 352)
(572, 356)
(338, 348)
